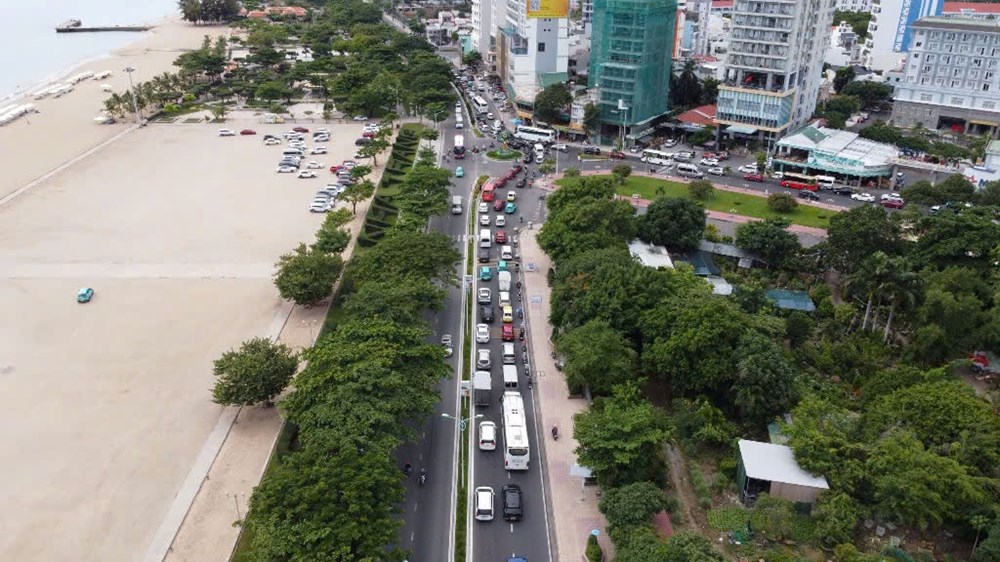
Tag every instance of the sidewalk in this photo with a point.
(574, 508)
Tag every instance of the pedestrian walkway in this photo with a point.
(574, 506)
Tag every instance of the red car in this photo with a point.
(335, 168)
(498, 205)
(516, 169)
(248, 132)
(893, 203)
(754, 177)
(300, 129)
(508, 332)
(368, 134)
(617, 155)
(501, 237)
(721, 155)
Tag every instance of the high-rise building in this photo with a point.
(889, 30)
(774, 65)
(952, 77)
(854, 6)
(482, 30)
(533, 49)
(630, 60)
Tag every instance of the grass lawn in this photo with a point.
(724, 201)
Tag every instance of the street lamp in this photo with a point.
(462, 422)
(623, 111)
(135, 95)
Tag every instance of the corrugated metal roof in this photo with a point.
(776, 463)
(791, 300)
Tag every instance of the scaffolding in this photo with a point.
(631, 58)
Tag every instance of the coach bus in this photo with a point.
(535, 134)
(515, 432)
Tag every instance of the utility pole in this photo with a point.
(135, 95)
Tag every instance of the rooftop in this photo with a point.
(844, 145)
(650, 255)
(959, 7)
(776, 463)
(702, 115)
(791, 300)
(942, 22)
(993, 147)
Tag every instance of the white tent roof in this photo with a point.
(776, 463)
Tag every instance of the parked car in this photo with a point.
(226, 133)
(747, 169)
(362, 141)
(306, 174)
(248, 132)
(560, 147)
(863, 197)
(808, 195)
(716, 171)
(84, 295)
(669, 143)
(709, 162)
(754, 177)
(591, 150)
(318, 150)
(300, 129)
(271, 141)
(287, 169)
(842, 191)
(893, 203)
(617, 155)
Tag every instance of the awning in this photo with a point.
(741, 130)
(580, 471)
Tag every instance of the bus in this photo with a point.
(656, 157)
(488, 188)
(480, 104)
(535, 134)
(515, 432)
(459, 148)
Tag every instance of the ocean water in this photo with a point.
(34, 53)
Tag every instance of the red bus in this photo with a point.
(799, 185)
(488, 191)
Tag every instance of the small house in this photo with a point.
(791, 300)
(765, 468)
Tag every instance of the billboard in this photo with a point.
(548, 8)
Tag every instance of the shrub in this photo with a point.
(594, 552)
(701, 189)
(782, 203)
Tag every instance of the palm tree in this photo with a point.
(901, 287)
(867, 279)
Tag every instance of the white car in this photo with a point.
(318, 150)
(716, 171)
(271, 141)
(359, 156)
(484, 220)
(863, 197)
(485, 296)
(227, 133)
(501, 220)
(296, 144)
(482, 333)
(360, 117)
(286, 170)
(292, 135)
(319, 206)
(349, 164)
(504, 298)
(484, 503)
(887, 196)
(321, 131)
(747, 169)
(487, 436)
(669, 142)
(314, 165)
(489, 115)
(560, 147)
(307, 174)
(709, 162)
(484, 207)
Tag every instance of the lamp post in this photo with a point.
(135, 95)
(462, 424)
(623, 111)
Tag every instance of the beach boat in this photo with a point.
(106, 87)
(104, 120)
(102, 75)
(81, 77)
(63, 90)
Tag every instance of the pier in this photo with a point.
(76, 26)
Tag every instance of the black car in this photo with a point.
(528, 158)
(362, 141)
(592, 150)
(808, 195)
(513, 509)
(521, 182)
(842, 191)
(486, 314)
(484, 255)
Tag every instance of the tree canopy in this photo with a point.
(675, 222)
(258, 372)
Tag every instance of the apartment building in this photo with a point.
(532, 43)
(972, 10)
(630, 61)
(952, 76)
(854, 5)
(773, 69)
(889, 30)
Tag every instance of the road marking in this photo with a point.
(415, 504)
(413, 536)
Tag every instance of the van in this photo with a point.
(508, 353)
(825, 182)
(689, 171)
(484, 503)
(506, 253)
(539, 152)
(485, 240)
(456, 205)
(487, 436)
(292, 152)
(509, 377)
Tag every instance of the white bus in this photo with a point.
(480, 104)
(515, 432)
(825, 182)
(656, 157)
(535, 134)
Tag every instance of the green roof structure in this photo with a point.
(791, 300)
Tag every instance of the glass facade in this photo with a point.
(631, 58)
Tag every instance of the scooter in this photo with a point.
(555, 433)
(423, 476)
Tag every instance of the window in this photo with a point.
(988, 105)
(927, 68)
(986, 87)
(541, 47)
(957, 101)
(925, 80)
(946, 60)
(938, 82)
(926, 97)
(918, 44)
(955, 83)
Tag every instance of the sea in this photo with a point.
(34, 54)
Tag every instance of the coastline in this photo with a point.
(64, 128)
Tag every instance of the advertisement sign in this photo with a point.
(548, 8)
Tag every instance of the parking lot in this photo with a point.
(108, 403)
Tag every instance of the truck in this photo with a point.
(509, 377)
(482, 385)
(459, 149)
(504, 278)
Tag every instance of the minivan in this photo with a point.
(689, 171)
(508, 353)
(484, 238)
(484, 503)
(456, 205)
(509, 377)
(487, 436)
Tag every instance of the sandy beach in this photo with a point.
(64, 128)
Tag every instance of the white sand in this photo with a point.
(65, 127)
(108, 404)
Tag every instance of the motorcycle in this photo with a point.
(407, 469)
(423, 476)
(555, 433)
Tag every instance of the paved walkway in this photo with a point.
(574, 508)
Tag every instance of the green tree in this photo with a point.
(270, 91)
(591, 117)
(571, 173)
(989, 549)
(685, 88)
(620, 437)
(989, 194)
(857, 20)
(642, 545)
(258, 372)
(631, 506)
(621, 172)
(824, 443)
(331, 240)
(424, 192)
(472, 58)
(782, 203)
(594, 552)
(688, 546)
(765, 380)
(357, 193)
(551, 103)
(306, 276)
(587, 224)
(376, 146)
(798, 328)
(868, 92)
(547, 166)
(954, 188)
(869, 279)
(429, 256)
(769, 240)
(597, 356)
(836, 515)
(709, 90)
(399, 300)
(701, 189)
(674, 222)
(843, 76)
(902, 290)
(853, 233)
(761, 161)
(965, 239)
